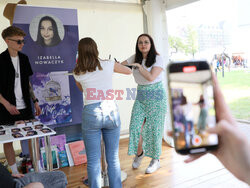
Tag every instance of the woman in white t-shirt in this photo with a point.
(148, 114)
(100, 113)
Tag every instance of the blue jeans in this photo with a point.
(102, 119)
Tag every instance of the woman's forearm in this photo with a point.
(147, 75)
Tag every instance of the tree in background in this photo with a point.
(187, 44)
(191, 40)
(176, 43)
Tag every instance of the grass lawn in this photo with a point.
(236, 89)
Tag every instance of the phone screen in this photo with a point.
(192, 106)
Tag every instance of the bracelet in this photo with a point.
(36, 100)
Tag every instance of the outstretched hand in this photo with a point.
(233, 151)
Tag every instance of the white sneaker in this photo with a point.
(153, 166)
(137, 161)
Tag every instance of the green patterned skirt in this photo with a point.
(151, 104)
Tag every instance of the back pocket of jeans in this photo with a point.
(115, 117)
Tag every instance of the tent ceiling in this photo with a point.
(89, 1)
(112, 1)
(123, 1)
(170, 4)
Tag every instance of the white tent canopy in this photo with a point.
(115, 25)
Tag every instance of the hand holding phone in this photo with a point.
(192, 106)
(129, 66)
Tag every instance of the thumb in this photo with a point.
(221, 126)
(214, 130)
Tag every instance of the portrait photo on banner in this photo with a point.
(46, 30)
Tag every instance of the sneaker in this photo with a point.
(41, 170)
(153, 166)
(137, 161)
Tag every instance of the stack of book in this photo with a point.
(64, 154)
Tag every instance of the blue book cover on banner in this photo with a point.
(53, 92)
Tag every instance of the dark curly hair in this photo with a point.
(151, 54)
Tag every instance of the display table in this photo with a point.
(26, 131)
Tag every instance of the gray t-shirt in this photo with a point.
(139, 79)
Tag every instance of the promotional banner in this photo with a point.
(51, 44)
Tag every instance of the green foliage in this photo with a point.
(235, 87)
(241, 108)
(187, 44)
(234, 79)
(176, 43)
(191, 41)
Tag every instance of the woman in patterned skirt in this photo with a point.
(148, 114)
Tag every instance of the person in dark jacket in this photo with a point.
(15, 88)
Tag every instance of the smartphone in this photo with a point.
(192, 109)
(130, 66)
